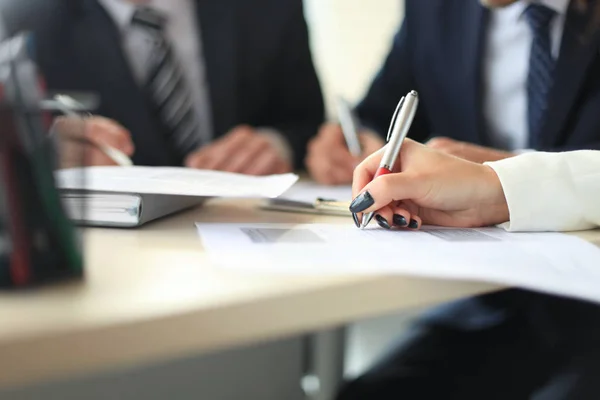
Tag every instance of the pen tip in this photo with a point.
(366, 220)
(414, 93)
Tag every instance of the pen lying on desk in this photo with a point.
(67, 105)
(399, 127)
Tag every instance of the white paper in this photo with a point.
(547, 262)
(174, 181)
(308, 192)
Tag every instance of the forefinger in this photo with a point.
(364, 173)
(101, 131)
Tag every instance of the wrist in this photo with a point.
(494, 207)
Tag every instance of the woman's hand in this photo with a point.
(431, 188)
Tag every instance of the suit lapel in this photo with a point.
(218, 26)
(97, 40)
(474, 26)
(579, 48)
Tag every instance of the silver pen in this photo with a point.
(349, 123)
(399, 127)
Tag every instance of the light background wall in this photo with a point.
(350, 39)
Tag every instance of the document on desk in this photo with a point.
(173, 181)
(546, 262)
(309, 192)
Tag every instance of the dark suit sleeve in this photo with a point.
(297, 108)
(589, 146)
(394, 80)
(582, 132)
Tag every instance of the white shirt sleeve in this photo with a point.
(551, 191)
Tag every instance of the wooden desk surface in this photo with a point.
(151, 295)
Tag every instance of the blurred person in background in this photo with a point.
(494, 79)
(226, 85)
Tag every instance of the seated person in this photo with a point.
(547, 347)
(227, 85)
(492, 81)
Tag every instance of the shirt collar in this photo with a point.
(121, 11)
(559, 6)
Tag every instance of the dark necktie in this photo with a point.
(166, 86)
(541, 69)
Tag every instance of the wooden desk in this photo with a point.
(151, 295)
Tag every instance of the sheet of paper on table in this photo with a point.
(546, 262)
(173, 181)
(308, 192)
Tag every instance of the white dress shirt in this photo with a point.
(506, 67)
(551, 191)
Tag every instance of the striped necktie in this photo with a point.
(541, 69)
(166, 86)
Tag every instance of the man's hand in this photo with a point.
(243, 150)
(79, 139)
(468, 151)
(329, 161)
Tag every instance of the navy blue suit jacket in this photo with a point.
(439, 53)
(258, 64)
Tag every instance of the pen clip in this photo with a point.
(394, 118)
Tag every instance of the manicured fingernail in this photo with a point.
(413, 224)
(356, 220)
(382, 222)
(400, 221)
(362, 202)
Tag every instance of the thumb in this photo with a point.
(195, 160)
(384, 190)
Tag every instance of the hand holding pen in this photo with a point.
(433, 188)
(339, 148)
(90, 140)
(399, 128)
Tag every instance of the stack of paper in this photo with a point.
(174, 181)
(129, 197)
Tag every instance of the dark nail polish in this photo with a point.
(356, 221)
(400, 221)
(413, 224)
(362, 202)
(382, 222)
